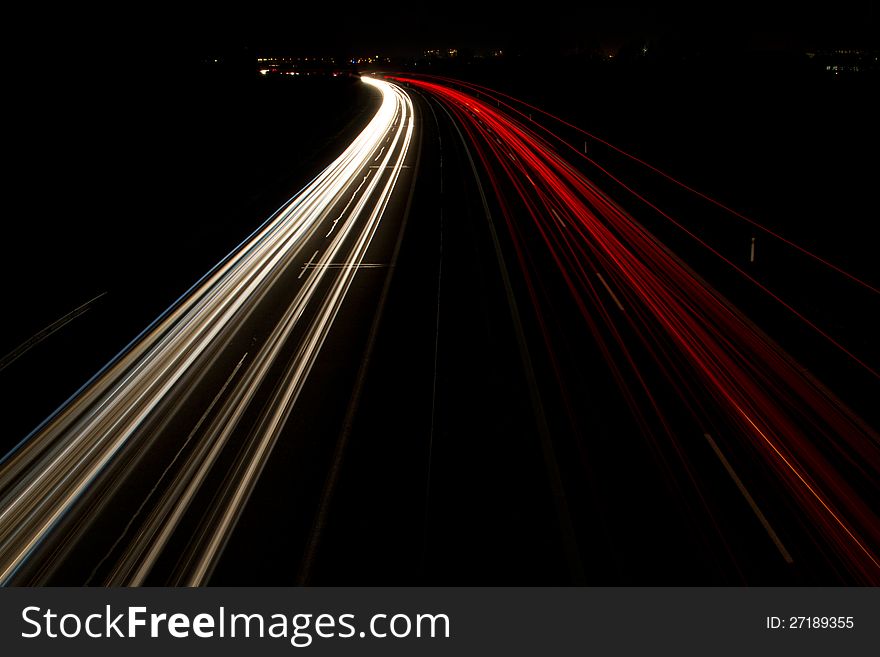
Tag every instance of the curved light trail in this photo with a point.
(113, 419)
(735, 382)
(155, 459)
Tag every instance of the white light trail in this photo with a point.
(47, 475)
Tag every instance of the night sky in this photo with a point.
(409, 29)
(163, 32)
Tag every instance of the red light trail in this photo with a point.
(515, 101)
(624, 283)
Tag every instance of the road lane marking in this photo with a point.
(312, 547)
(742, 489)
(563, 512)
(341, 214)
(306, 266)
(348, 265)
(432, 433)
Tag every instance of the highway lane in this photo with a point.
(443, 480)
(688, 365)
(506, 387)
(663, 479)
(448, 479)
(102, 488)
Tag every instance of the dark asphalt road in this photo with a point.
(222, 416)
(449, 479)
(453, 431)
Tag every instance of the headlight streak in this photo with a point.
(708, 351)
(46, 476)
(215, 530)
